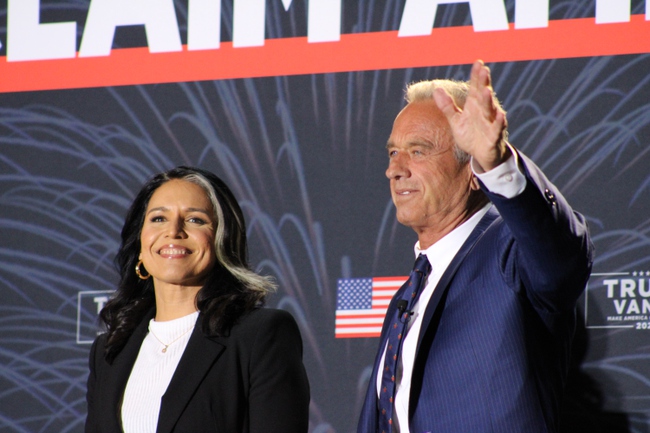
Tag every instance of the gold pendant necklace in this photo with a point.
(164, 350)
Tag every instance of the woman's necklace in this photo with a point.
(171, 342)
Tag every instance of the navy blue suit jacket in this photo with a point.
(494, 347)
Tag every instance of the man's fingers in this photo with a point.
(474, 76)
(485, 76)
(489, 109)
(445, 103)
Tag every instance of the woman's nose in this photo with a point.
(177, 229)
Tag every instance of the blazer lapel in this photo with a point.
(368, 417)
(434, 309)
(368, 413)
(199, 355)
(390, 311)
(441, 288)
(121, 370)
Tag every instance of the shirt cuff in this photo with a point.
(505, 179)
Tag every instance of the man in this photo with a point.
(488, 340)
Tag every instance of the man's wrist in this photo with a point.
(505, 179)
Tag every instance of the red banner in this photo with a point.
(354, 52)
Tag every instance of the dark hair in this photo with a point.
(231, 290)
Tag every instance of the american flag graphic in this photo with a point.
(361, 305)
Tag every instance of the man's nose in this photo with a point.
(397, 167)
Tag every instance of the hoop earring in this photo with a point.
(137, 271)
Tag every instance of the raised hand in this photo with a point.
(480, 127)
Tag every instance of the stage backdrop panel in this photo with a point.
(98, 96)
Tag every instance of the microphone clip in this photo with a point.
(404, 314)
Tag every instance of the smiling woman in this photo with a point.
(188, 346)
(177, 245)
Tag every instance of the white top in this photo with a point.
(152, 372)
(506, 180)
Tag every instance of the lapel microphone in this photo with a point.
(401, 307)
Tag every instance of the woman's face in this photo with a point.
(177, 239)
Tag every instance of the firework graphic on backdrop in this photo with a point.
(304, 155)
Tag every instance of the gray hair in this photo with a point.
(458, 90)
(423, 90)
(251, 280)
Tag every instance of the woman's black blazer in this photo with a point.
(251, 381)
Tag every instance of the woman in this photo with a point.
(188, 348)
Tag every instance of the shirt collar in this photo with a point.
(445, 248)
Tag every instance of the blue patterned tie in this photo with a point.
(396, 333)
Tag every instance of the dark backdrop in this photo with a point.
(305, 156)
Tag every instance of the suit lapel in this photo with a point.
(440, 291)
(435, 306)
(390, 311)
(368, 413)
(121, 370)
(368, 417)
(199, 355)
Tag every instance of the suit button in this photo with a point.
(550, 197)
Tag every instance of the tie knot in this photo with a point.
(422, 265)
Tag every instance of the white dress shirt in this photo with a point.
(506, 180)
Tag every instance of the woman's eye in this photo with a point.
(196, 220)
(156, 219)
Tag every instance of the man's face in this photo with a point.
(429, 187)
